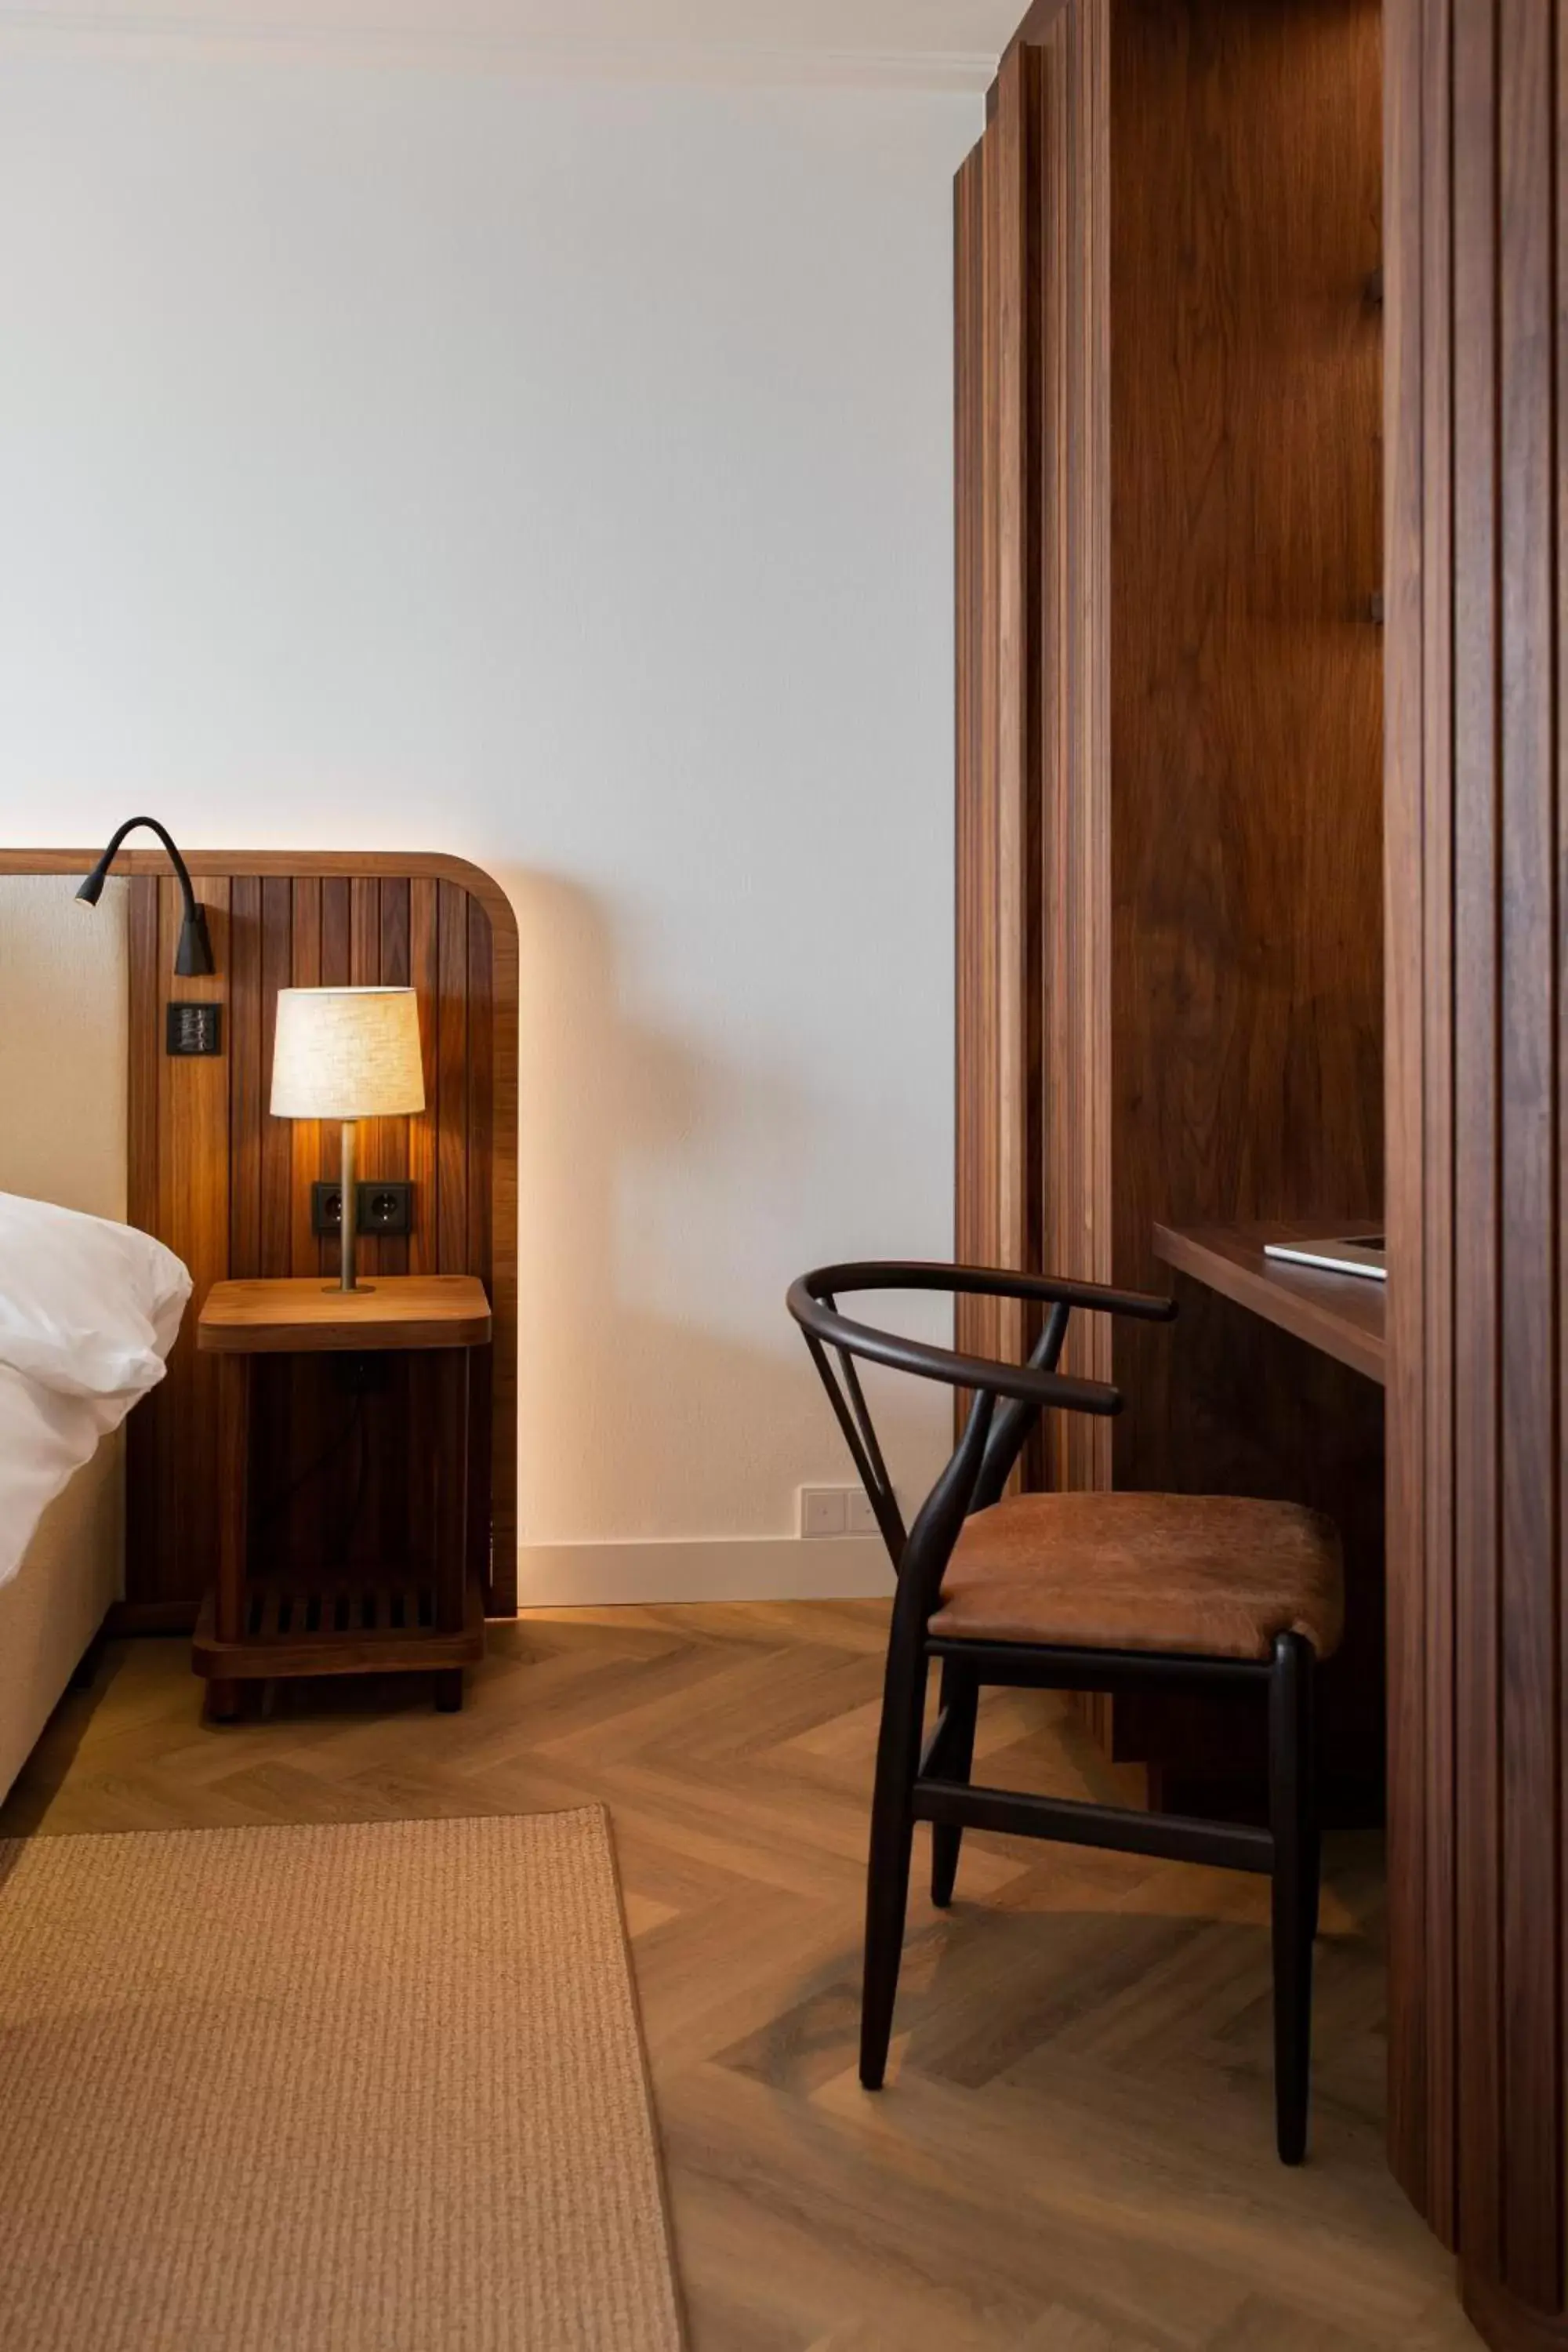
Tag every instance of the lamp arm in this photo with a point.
(182, 870)
(195, 955)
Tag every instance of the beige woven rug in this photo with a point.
(369, 2088)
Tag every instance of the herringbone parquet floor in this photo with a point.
(1074, 2152)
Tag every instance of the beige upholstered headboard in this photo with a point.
(64, 996)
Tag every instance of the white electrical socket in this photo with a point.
(823, 1510)
(860, 1520)
(835, 1511)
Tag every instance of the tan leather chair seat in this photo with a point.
(1211, 1575)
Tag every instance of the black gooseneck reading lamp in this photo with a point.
(194, 956)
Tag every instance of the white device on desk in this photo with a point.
(1364, 1253)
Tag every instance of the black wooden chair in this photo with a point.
(1073, 1591)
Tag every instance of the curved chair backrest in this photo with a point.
(992, 1441)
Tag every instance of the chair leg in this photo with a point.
(892, 1841)
(960, 1699)
(1292, 1819)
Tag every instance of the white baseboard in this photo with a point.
(719, 1568)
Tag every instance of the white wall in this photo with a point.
(559, 475)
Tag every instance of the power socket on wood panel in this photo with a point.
(835, 1511)
(385, 1206)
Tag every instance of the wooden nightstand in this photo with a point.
(426, 1615)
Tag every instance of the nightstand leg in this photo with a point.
(234, 1483)
(221, 1704)
(449, 1690)
(451, 1487)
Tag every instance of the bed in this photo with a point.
(88, 1306)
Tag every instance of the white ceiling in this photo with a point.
(940, 44)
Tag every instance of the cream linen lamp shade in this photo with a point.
(347, 1054)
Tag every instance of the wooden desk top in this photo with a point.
(1340, 1314)
(305, 1313)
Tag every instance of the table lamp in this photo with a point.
(347, 1054)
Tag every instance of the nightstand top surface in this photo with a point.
(305, 1312)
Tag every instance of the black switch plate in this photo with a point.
(192, 1029)
(384, 1207)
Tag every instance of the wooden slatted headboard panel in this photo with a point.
(228, 1187)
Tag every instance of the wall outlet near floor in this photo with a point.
(835, 1511)
(860, 1520)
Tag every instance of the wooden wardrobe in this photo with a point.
(1169, 389)
(1260, 349)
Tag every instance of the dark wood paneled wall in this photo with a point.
(1478, 132)
(1246, 759)
(1246, 727)
(229, 1188)
(1169, 231)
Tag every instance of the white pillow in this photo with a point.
(89, 1307)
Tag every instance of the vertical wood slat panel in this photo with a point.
(502, 1268)
(480, 1137)
(424, 1162)
(452, 1082)
(424, 1157)
(987, 1313)
(337, 971)
(381, 1514)
(1419, 1119)
(1413, 2138)
(364, 972)
(983, 1317)
(272, 1410)
(1075, 1106)
(1060, 696)
(1528, 1478)
(1557, 88)
(276, 1134)
(1015, 307)
(289, 1412)
(392, 1139)
(1475, 1152)
(305, 1252)
(1434, 1954)
(996, 383)
(971, 1235)
(244, 1053)
(1094, 396)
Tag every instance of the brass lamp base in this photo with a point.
(347, 1191)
